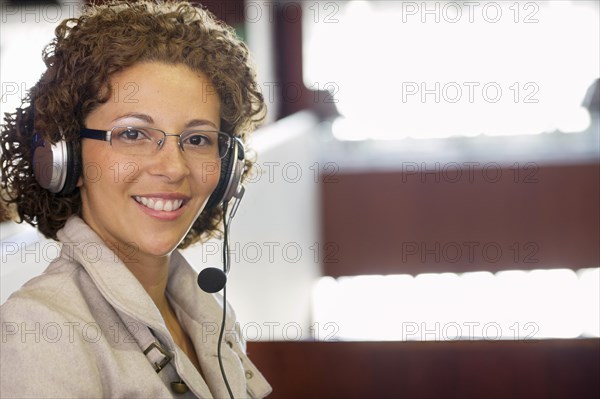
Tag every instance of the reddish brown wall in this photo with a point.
(393, 222)
(506, 369)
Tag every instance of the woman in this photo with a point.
(122, 154)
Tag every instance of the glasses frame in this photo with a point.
(106, 135)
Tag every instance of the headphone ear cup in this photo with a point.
(56, 167)
(49, 163)
(232, 166)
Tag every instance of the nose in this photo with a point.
(169, 160)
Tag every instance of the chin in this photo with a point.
(159, 249)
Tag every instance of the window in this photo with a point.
(438, 69)
(507, 305)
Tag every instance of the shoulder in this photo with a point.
(48, 295)
(41, 330)
(44, 306)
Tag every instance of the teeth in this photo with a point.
(159, 204)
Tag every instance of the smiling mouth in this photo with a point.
(159, 204)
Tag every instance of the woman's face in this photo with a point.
(119, 193)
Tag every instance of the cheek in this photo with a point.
(207, 177)
(118, 171)
(101, 168)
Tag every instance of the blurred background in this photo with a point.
(423, 217)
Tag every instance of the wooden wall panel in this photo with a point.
(478, 369)
(394, 222)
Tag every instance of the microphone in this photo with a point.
(212, 280)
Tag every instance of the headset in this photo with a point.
(57, 168)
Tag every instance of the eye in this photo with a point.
(198, 139)
(132, 134)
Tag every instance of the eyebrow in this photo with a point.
(148, 119)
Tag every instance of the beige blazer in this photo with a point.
(80, 330)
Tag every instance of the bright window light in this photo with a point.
(26, 30)
(437, 69)
(508, 305)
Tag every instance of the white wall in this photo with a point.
(24, 253)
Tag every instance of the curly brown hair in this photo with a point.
(85, 53)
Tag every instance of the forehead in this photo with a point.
(166, 93)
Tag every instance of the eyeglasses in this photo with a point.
(196, 145)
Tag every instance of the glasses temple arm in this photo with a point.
(103, 135)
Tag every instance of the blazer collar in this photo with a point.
(114, 280)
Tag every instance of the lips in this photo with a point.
(159, 204)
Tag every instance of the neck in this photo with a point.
(152, 273)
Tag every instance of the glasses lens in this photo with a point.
(205, 145)
(135, 140)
